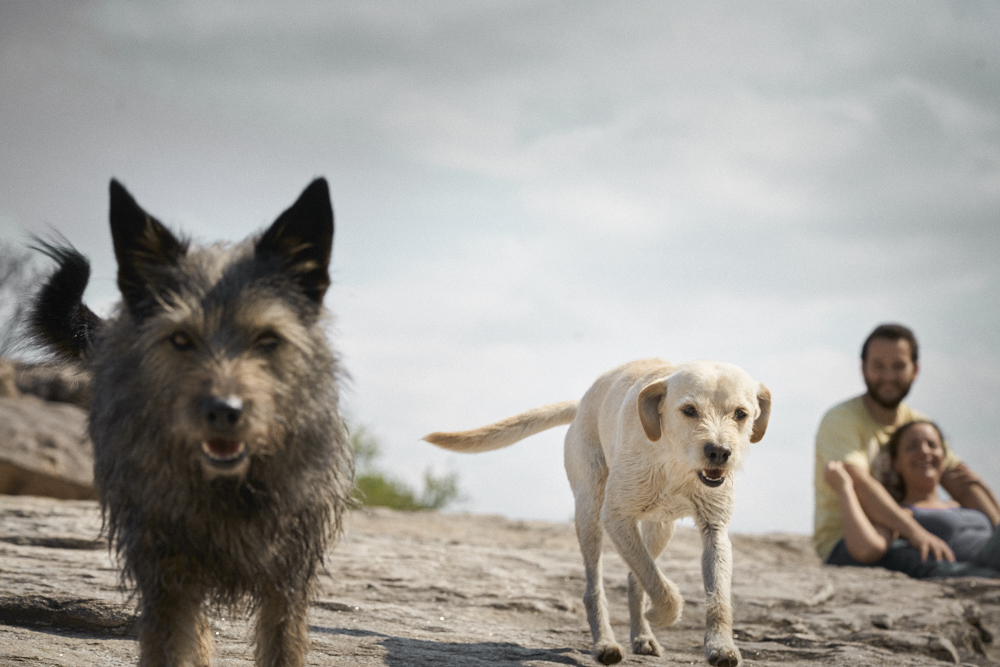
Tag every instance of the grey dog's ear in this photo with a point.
(144, 248)
(760, 424)
(301, 239)
(650, 399)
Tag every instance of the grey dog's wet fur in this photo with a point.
(238, 326)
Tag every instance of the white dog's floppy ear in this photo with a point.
(650, 398)
(760, 424)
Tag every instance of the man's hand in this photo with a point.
(962, 474)
(969, 490)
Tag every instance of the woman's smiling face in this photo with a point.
(920, 457)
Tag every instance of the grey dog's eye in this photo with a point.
(689, 411)
(740, 414)
(268, 341)
(182, 341)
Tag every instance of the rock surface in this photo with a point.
(52, 381)
(463, 590)
(44, 450)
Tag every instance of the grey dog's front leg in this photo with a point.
(282, 629)
(173, 630)
(717, 572)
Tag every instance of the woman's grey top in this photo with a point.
(965, 530)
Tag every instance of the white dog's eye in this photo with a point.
(689, 411)
(740, 414)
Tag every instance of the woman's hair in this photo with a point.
(887, 475)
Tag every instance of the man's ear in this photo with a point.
(764, 403)
(301, 239)
(143, 248)
(650, 399)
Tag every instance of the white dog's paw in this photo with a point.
(722, 652)
(646, 645)
(608, 652)
(660, 616)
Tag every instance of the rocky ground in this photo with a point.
(407, 589)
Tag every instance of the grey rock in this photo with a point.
(44, 450)
(92, 616)
(52, 381)
(8, 380)
(459, 590)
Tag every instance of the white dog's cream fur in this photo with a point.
(650, 442)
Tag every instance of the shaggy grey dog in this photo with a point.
(221, 462)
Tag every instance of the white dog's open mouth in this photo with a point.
(224, 452)
(712, 476)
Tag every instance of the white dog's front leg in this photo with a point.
(655, 535)
(717, 572)
(667, 603)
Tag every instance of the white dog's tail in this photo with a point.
(508, 431)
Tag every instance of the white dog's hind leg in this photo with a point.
(591, 536)
(655, 535)
(587, 473)
(717, 572)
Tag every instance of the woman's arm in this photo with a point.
(879, 505)
(865, 542)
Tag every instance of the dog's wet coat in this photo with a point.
(221, 462)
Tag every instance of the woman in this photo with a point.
(916, 456)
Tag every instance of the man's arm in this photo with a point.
(884, 511)
(970, 491)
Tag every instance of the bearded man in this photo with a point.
(854, 432)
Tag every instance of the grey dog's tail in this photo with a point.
(508, 431)
(59, 320)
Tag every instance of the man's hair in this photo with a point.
(891, 332)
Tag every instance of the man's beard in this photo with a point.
(889, 403)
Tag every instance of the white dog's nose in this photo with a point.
(717, 455)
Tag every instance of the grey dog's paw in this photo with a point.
(608, 653)
(646, 645)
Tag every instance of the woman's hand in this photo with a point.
(837, 477)
(928, 544)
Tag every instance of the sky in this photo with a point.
(528, 194)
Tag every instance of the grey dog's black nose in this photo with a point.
(717, 454)
(222, 412)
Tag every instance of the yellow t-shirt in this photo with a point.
(848, 433)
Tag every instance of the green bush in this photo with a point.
(375, 488)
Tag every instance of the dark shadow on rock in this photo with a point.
(93, 617)
(55, 542)
(404, 652)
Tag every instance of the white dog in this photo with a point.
(652, 442)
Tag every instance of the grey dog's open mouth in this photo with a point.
(712, 476)
(224, 452)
